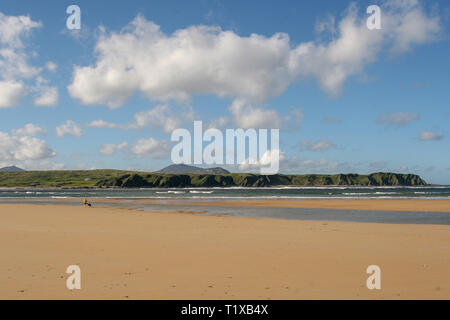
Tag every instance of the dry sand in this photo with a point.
(128, 254)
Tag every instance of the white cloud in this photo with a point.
(397, 119)
(150, 148)
(22, 148)
(110, 149)
(356, 45)
(218, 123)
(15, 69)
(13, 28)
(159, 117)
(102, 124)
(208, 60)
(266, 160)
(410, 24)
(29, 130)
(51, 66)
(321, 145)
(195, 60)
(41, 165)
(48, 97)
(69, 128)
(247, 116)
(143, 148)
(13, 57)
(10, 93)
(430, 136)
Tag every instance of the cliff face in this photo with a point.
(156, 180)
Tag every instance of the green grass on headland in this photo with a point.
(131, 179)
(60, 178)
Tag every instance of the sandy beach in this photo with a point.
(124, 253)
(366, 204)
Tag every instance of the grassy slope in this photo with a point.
(118, 178)
(63, 178)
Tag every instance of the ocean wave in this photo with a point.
(356, 193)
(195, 191)
(170, 191)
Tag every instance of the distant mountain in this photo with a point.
(10, 169)
(183, 169)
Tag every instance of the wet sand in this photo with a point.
(422, 205)
(411, 205)
(128, 254)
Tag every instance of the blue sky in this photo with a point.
(346, 99)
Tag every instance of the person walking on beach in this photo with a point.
(86, 203)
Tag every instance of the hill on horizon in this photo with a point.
(11, 169)
(184, 168)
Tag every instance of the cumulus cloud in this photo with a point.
(13, 57)
(270, 159)
(102, 124)
(69, 128)
(218, 123)
(209, 60)
(143, 148)
(110, 149)
(195, 60)
(398, 119)
(150, 148)
(321, 145)
(47, 98)
(15, 68)
(355, 45)
(265, 161)
(51, 66)
(22, 148)
(247, 116)
(161, 116)
(10, 93)
(29, 130)
(430, 136)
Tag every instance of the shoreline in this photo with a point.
(129, 254)
(377, 204)
(331, 186)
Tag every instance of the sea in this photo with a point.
(335, 192)
(201, 201)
